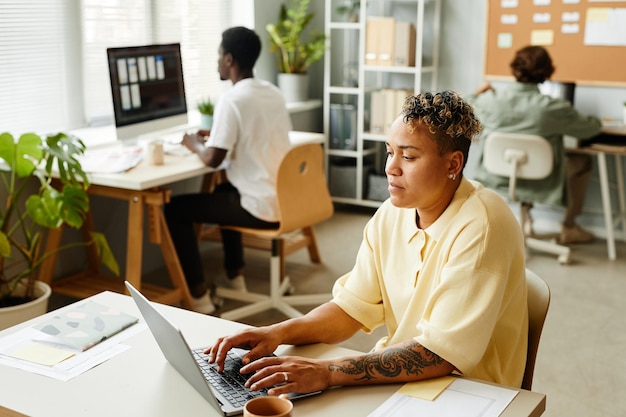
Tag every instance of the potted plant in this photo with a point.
(30, 210)
(295, 54)
(206, 108)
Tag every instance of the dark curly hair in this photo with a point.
(243, 44)
(532, 64)
(449, 119)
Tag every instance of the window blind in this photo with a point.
(33, 65)
(53, 67)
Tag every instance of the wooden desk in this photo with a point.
(144, 189)
(140, 382)
(601, 151)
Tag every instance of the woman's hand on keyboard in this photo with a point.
(260, 341)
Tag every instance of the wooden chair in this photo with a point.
(303, 201)
(538, 303)
(517, 155)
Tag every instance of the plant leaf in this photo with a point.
(5, 248)
(104, 252)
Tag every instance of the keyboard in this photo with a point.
(230, 383)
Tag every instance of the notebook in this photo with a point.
(83, 326)
(225, 392)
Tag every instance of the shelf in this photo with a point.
(343, 90)
(298, 106)
(348, 43)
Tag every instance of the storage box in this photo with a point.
(342, 180)
(377, 187)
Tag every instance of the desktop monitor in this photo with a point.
(558, 89)
(148, 89)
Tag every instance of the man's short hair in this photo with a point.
(446, 116)
(532, 64)
(243, 44)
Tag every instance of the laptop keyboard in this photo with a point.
(230, 383)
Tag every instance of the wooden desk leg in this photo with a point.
(53, 241)
(619, 172)
(134, 240)
(170, 256)
(606, 205)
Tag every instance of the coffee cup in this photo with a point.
(268, 407)
(155, 153)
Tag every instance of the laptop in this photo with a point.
(224, 391)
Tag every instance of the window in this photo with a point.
(53, 68)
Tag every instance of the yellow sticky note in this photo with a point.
(598, 14)
(428, 389)
(41, 354)
(542, 37)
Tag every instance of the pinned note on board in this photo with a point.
(542, 37)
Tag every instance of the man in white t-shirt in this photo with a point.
(250, 136)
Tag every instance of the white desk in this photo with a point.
(139, 382)
(143, 187)
(601, 153)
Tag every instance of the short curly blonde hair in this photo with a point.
(449, 119)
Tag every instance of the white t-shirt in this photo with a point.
(252, 123)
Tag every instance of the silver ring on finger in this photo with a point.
(286, 376)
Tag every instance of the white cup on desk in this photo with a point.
(153, 151)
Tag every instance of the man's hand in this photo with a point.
(193, 142)
(260, 341)
(290, 373)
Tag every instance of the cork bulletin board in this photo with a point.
(586, 38)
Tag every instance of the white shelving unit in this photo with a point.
(347, 82)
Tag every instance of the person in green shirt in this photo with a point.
(522, 108)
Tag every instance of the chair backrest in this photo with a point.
(517, 155)
(302, 191)
(538, 303)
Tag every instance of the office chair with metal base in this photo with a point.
(517, 155)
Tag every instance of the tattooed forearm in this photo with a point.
(410, 360)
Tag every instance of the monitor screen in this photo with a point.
(148, 89)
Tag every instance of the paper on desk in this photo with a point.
(67, 369)
(463, 398)
(429, 389)
(41, 354)
(111, 160)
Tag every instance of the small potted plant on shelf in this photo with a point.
(206, 108)
(295, 54)
(32, 208)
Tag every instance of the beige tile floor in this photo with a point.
(579, 365)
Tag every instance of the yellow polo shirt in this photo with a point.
(458, 287)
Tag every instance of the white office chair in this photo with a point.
(517, 155)
(538, 303)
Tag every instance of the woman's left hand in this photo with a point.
(291, 373)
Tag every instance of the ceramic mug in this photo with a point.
(155, 153)
(268, 407)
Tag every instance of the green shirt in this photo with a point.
(521, 108)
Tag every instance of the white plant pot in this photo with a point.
(10, 316)
(295, 87)
(206, 121)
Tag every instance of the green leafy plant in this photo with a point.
(27, 213)
(206, 106)
(294, 54)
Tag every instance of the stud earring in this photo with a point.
(452, 176)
